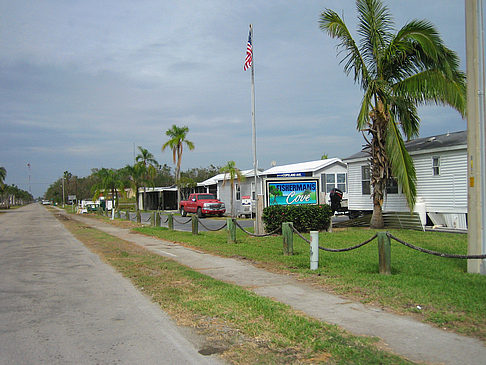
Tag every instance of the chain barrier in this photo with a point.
(336, 249)
(166, 219)
(435, 253)
(211, 229)
(189, 220)
(254, 234)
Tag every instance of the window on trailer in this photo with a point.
(436, 165)
(365, 180)
(238, 192)
(330, 181)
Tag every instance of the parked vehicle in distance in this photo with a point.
(46, 202)
(202, 204)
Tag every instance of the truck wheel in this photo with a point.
(183, 212)
(199, 213)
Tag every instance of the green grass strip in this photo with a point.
(435, 289)
(261, 330)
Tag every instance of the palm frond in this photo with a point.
(405, 112)
(375, 26)
(401, 163)
(433, 86)
(331, 23)
(366, 106)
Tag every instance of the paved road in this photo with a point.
(59, 304)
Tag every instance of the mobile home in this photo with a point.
(441, 171)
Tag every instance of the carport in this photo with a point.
(160, 198)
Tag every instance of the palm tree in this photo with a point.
(134, 178)
(177, 138)
(397, 72)
(231, 172)
(146, 157)
(150, 164)
(3, 175)
(110, 180)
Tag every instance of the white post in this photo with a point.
(314, 250)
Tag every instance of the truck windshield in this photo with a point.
(205, 196)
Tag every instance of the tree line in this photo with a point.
(11, 194)
(128, 176)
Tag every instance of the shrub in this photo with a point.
(304, 217)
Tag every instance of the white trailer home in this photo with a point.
(441, 170)
(243, 194)
(330, 173)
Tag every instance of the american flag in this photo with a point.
(249, 54)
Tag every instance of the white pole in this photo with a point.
(314, 250)
(253, 125)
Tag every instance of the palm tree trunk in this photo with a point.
(232, 200)
(380, 167)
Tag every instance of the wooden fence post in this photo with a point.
(231, 230)
(157, 219)
(288, 238)
(127, 215)
(195, 225)
(384, 253)
(139, 217)
(170, 221)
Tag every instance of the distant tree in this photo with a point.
(110, 181)
(199, 174)
(146, 157)
(397, 72)
(186, 184)
(12, 195)
(324, 156)
(231, 172)
(150, 166)
(3, 175)
(177, 139)
(133, 177)
(164, 176)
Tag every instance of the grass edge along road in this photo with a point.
(243, 327)
(433, 289)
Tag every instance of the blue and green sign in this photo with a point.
(292, 192)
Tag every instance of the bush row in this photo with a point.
(304, 217)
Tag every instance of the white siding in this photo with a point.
(445, 193)
(225, 193)
(332, 169)
(356, 200)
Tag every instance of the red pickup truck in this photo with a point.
(202, 204)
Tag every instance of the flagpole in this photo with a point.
(253, 125)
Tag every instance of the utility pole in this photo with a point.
(476, 134)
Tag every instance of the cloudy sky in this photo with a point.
(83, 82)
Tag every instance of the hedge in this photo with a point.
(304, 217)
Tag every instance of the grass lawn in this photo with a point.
(240, 325)
(434, 289)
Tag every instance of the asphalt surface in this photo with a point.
(399, 334)
(59, 304)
